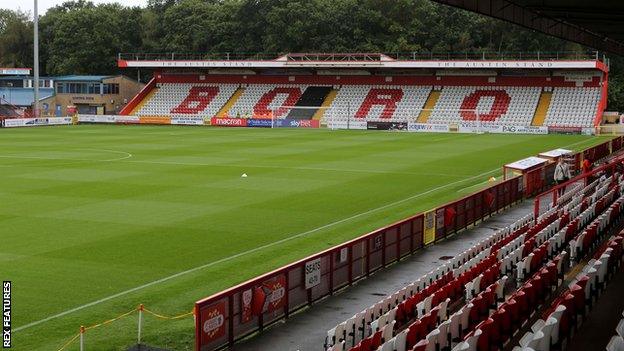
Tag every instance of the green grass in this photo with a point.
(80, 220)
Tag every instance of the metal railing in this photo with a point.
(368, 57)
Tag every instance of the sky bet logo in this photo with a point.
(6, 315)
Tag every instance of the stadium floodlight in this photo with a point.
(36, 58)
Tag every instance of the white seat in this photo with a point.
(473, 339)
(443, 314)
(444, 337)
(547, 330)
(400, 341)
(620, 328)
(616, 344)
(455, 325)
(465, 316)
(432, 339)
(387, 346)
(388, 331)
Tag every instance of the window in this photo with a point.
(111, 88)
(94, 88)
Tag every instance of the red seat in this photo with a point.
(488, 335)
(579, 297)
(489, 296)
(502, 319)
(569, 316)
(421, 345)
(376, 340)
(523, 305)
(415, 333)
(365, 345)
(401, 313)
(478, 309)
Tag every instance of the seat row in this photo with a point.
(481, 285)
(476, 270)
(568, 310)
(493, 332)
(419, 295)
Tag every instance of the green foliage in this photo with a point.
(80, 37)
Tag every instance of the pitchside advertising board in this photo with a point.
(500, 129)
(344, 124)
(36, 122)
(428, 128)
(188, 121)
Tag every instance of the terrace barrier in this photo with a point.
(232, 314)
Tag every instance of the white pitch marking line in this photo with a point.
(244, 253)
(126, 156)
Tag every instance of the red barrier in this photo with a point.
(251, 306)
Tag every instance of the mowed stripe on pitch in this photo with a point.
(262, 247)
(244, 253)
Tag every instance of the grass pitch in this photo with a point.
(92, 217)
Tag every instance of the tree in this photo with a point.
(16, 39)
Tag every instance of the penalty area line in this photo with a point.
(244, 253)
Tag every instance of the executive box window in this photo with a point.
(111, 88)
(87, 88)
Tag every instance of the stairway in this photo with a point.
(223, 112)
(142, 103)
(432, 99)
(329, 99)
(311, 97)
(542, 108)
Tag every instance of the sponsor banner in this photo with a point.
(213, 322)
(127, 119)
(430, 227)
(312, 273)
(428, 128)
(34, 122)
(14, 122)
(386, 125)
(465, 127)
(498, 128)
(588, 131)
(246, 308)
(154, 120)
(564, 130)
(297, 123)
(346, 124)
(275, 292)
(524, 130)
(228, 122)
(259, 122)
(192, 121)
(59, 120)
(96, 118)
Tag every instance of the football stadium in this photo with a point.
(356, 199)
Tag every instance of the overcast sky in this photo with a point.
(27, 5)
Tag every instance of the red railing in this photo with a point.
(227, 316)
(231, 315)
(614, 145)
